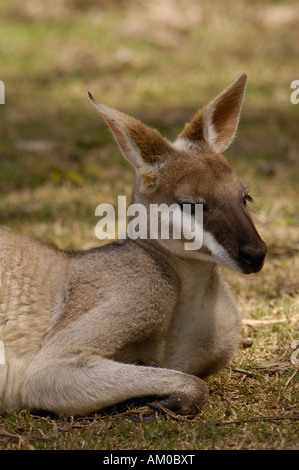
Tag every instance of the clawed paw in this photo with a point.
(180, 404)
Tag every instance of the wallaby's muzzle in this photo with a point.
(252, 260)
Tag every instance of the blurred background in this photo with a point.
(160, 61)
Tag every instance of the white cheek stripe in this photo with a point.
(218, 251)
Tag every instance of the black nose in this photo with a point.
(252, 258)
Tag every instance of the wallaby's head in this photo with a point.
(192, 170)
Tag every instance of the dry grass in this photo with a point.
(159, 60)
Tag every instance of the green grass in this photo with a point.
(160, 61)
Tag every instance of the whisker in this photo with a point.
(250, 183)
(268, 222)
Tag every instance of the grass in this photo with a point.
(160, 61)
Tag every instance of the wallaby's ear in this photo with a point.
(217, 123)
(141, 145)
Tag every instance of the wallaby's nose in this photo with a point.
(254, 259)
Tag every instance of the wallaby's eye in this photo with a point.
(192, 206)
(246, 199)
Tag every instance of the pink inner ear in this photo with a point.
(225, 117)
(217, 123)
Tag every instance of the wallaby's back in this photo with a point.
(33, 277)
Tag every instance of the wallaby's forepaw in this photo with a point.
(182, 404)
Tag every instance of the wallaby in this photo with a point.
(84, 330)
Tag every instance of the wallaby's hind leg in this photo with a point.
(72, 386)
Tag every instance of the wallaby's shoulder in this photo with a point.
(126, 259)
(124, 278)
